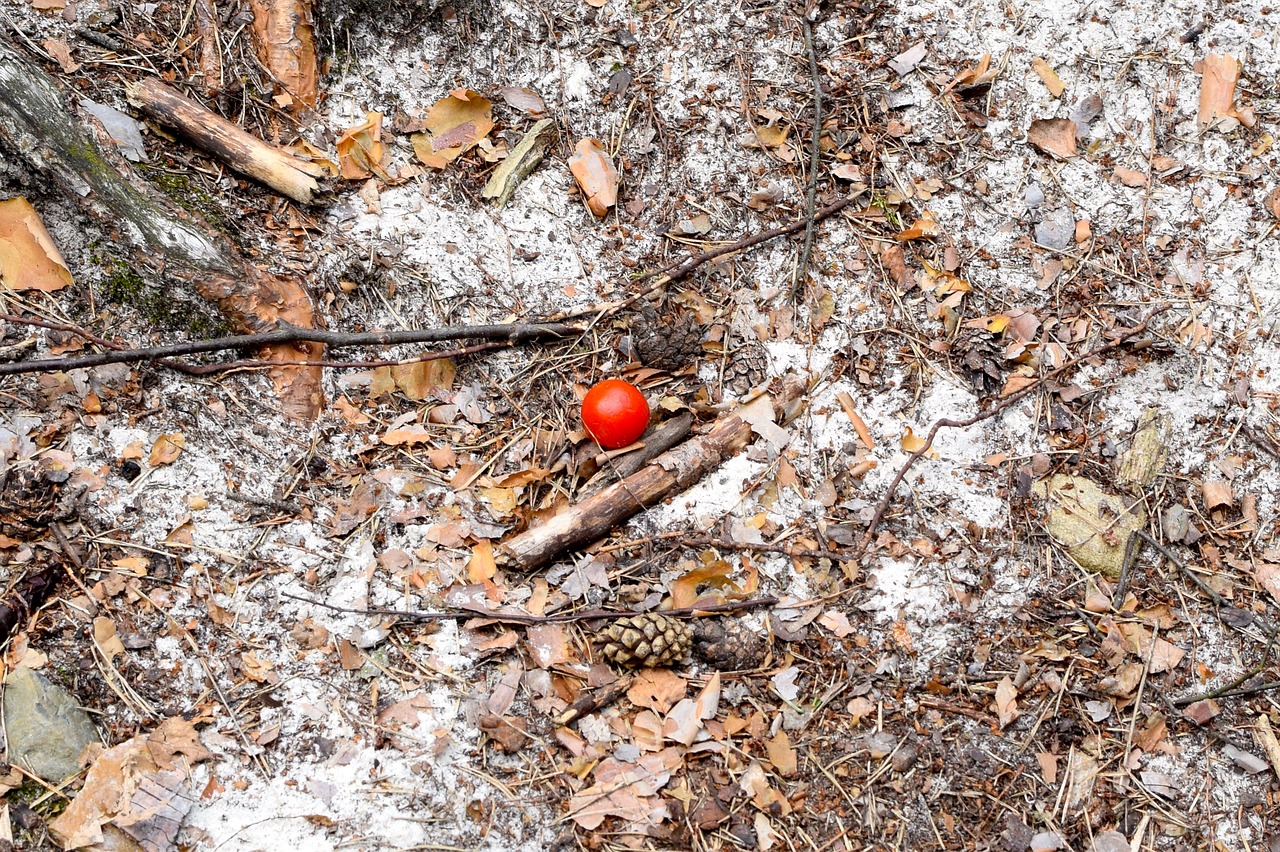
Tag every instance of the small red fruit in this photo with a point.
(615, 413)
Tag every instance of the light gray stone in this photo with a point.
(45, 726)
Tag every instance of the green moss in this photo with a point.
(124, 286)
(188, 195)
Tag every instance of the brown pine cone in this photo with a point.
(747, 368)
(665, 343)
(650, 639)
(728, 644)
(28, 501)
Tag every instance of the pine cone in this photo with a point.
(666, 343)
(747, 368)
(728, 644)
(28, 501)
(649, 639)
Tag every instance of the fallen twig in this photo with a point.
(1007, 402)
(673, 471)
(815, 152)
(529, 618)
(676, 270)
(510, 332)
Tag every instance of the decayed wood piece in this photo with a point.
(212, 133)
(168, 243)
(285, 38)
(210, 46)
(671, 472)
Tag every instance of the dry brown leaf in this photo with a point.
(837, 622)
(1219, 74)
(28, 258)
(923, 228)
(1268, 577)
(1056, 136)
(548, 645)
(104, 636)
(257, 670)
(975, 76)
(166, 449)
(454, 125)
(136, 788)
(593, 169)
(360, 149)
(1217, 494)
(783, 757)
(61, 52)
(418, 379)
(1051, 80)
(1006, 701)
(682, 724)
(1130, 177)
(414, 434)
(690, 588)
(1048, 766)
(525, 99)
(1015, 383)
(657, 689)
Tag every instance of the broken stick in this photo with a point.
(223, 140)
(668, 474)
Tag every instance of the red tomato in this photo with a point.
(615, 413)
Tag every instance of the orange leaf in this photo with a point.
(924, 227)
(360, 149)
(715, 575)
(911, 442)
(482, 565)
(1051, 80)
(28, 258)
(1218, 77)
(596, 175)
(166, 449)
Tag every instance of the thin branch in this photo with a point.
(511, 332)
(523, 618)
(1007, 402)
(815, 152)
(679, 269)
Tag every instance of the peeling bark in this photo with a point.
(171, 244)
(285, 38)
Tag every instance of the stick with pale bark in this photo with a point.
(224, 141)
(668, 474)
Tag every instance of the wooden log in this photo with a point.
(668, 474)
(168, 243)
(223, 140)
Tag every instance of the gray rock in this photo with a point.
(45, 726)
(1110, 841)
(1057, 229)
